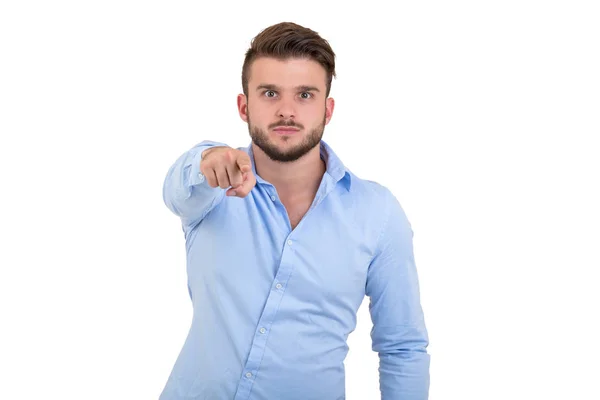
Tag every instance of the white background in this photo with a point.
(482, 117)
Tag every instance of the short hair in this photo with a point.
(287, 40)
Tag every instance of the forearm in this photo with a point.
(399, 333)
(404, 371)
(185, 191)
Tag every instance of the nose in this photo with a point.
(286, 109)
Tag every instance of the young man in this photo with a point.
(283, 243)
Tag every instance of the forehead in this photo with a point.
(290, 72)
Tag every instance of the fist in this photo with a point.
(227, 167)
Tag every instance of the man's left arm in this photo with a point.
(399, 334)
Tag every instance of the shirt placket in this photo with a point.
(278, 288)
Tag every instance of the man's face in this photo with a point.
(288, 94)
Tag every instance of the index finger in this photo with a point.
(243, 162)
(245, 188)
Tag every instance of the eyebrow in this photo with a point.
(302, 88)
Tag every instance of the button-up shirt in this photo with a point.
(273, 306)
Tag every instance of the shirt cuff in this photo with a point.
(196, 177)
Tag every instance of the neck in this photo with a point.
(296, 180)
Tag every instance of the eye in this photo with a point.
(309, 95)
(269, 91)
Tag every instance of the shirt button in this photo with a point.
(290, 242)
(201, 177)
(278, 286)
(262, 330)
(273, 198)
(248, 375)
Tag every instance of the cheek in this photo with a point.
(317, 115)
(260, 116)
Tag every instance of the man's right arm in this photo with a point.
(186, 191)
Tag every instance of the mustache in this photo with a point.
(284, 123)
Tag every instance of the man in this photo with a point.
(283, 243)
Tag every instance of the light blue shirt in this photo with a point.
(273, 306)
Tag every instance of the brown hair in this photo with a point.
(289, 40)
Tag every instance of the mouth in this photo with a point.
(286, 130)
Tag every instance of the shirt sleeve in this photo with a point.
(186, 191)
(399, 333)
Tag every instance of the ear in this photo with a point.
(242, 103)
(329, 105)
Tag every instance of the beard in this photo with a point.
(261, 139)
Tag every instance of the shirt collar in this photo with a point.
(334, 166)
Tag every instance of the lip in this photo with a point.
(286, 130)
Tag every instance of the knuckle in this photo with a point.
(204, 167)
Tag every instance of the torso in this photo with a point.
(301, 202)
(296, 212)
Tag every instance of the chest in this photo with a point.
(239, 249)
(296, 211)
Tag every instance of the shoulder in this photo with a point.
(378, 201)
(372, 192)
